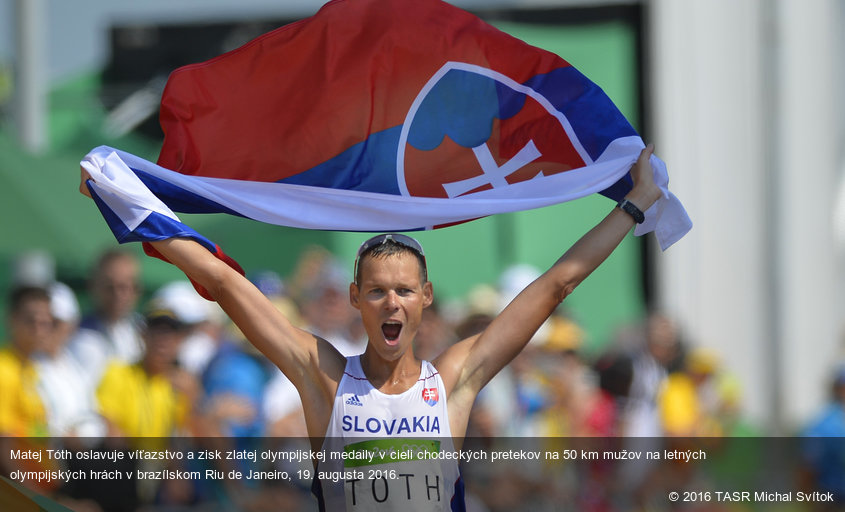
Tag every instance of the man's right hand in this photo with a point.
(83, 177)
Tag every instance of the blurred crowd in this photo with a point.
(130, 373)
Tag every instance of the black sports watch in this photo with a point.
(632, 210)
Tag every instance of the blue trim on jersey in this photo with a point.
(458, 501)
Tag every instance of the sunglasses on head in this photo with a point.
(403, 240)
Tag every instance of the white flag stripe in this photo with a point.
(121, 189)
(345, 210)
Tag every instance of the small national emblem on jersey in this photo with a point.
(430, 396)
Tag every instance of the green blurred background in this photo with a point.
(41, 209)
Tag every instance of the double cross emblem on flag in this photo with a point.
(487, 127)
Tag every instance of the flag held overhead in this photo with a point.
(378, 115)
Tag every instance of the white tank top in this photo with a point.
(382, 450)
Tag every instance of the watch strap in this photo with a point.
(632, 210)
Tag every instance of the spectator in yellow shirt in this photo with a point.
(140, 400)
(30, 327)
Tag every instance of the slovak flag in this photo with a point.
(376, 115)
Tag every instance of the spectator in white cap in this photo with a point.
(64, 384)
(205, 319)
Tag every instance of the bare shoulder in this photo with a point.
(330, 361)
(322, 369)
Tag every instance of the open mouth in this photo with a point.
(391, 331)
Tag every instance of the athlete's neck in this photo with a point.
(391, 377)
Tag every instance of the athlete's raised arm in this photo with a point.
(312, 364)
(470, 364)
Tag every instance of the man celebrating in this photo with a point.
(387, 391)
